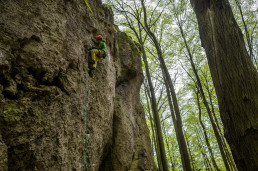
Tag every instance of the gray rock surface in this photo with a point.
(43, 80)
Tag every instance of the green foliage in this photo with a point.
(115, 28)
(245, 13)
(107, 6)
(166, 19)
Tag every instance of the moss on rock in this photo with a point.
(11, 112)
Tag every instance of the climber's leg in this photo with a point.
(99, 55)
(94, 57)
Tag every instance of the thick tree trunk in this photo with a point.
(234, 76)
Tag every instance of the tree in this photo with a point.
(136, 13)
(246, 17)
(168, 43)
(136, 28)
(153, 129)
(234, 76)
(185, 156)
(205, 133)
(205, 102)
(156, 117)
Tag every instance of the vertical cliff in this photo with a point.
(43, 80)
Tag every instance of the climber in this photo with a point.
(98, 52)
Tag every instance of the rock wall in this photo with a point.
(43, 85)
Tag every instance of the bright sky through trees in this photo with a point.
(175, 26)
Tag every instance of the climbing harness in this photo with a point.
(86, 100)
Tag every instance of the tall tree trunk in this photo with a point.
(186, 161)
(156, 116)
(169, 151)
(209, 91)
(205, 134)
(234, 76)
(206, 160)
(205, 102)
(224, 143)
(248, 39)
(176, 122)
(174, 158)
(157, 148)
(156, 145)
(190, 153)
(153, 129)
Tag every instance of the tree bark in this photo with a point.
(235, 78)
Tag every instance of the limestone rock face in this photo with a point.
(43, 83)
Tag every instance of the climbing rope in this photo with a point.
(87, 56)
